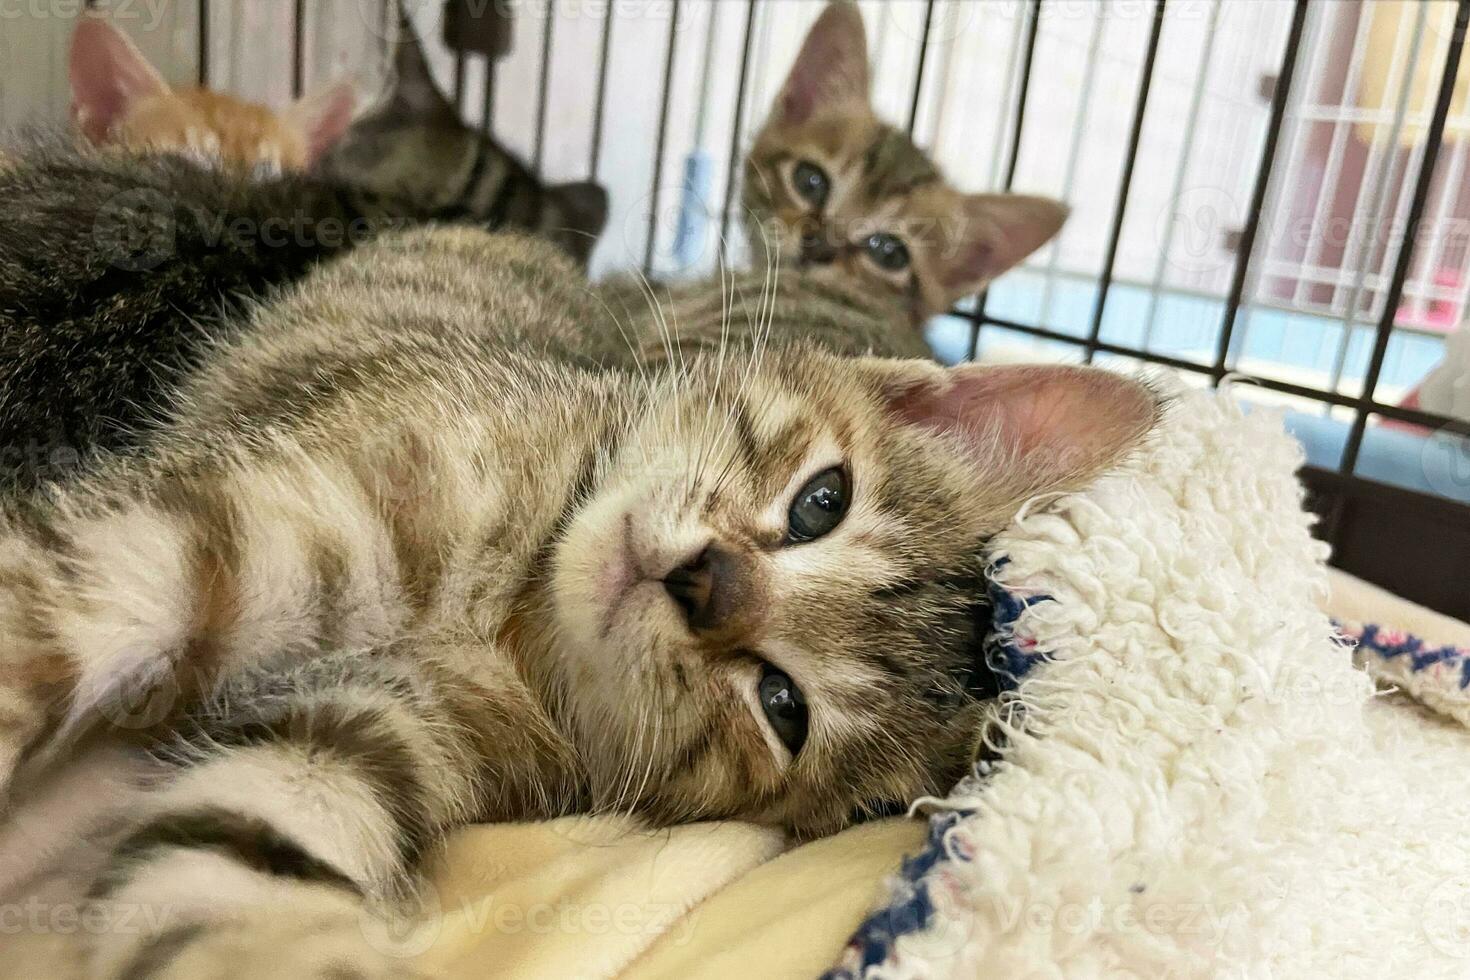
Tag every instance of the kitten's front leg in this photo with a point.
(293, 822)
(121, 607)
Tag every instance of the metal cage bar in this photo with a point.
(732, 175)
(919, 71)
(543, 82)
(201, 50)
(1333, 168)
(660, 143)
(1120, 210)
(1186, 159)
(1364, 250)
(487, 99)
(604, 51)
(1284, 78)
(1433, 140)
(1079, 128)
(1023, 91)
(298, 49)
(1412, 415)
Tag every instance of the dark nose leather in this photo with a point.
(815, 249)
(708, 588)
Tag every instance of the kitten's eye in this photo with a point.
(888, 252)
(811, 183)
(785, 708)
(819, 506)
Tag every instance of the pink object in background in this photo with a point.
(1439, 315)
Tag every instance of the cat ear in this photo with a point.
(999, 230)
(576, 214)
(323, 117)
(414, 89)
(1049, 426)
(831, 70)
(108, 76)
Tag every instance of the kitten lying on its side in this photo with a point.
(827, 183)
(119, 99)
(403, 563)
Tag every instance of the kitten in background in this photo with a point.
(828, 183)
(416, 147)
(120, 100)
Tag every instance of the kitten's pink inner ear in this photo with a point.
(998, 232)
(322, 118)
(1060, 424)
(108, 76)
(831, 70)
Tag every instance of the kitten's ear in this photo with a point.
(1050, 427)
(999, 230)
(831, 70)
(576, 214)
(323, 117)
(414, 91)
(108, 76)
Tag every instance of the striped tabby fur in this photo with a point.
(399, 565)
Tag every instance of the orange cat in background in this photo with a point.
(119, 99)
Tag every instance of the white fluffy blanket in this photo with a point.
(1197, 782)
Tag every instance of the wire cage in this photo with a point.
(1265, 190)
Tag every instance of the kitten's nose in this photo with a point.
(815, 249)
(707, 588)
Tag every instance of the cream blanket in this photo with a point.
(1198, 781)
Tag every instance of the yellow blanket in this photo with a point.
(595, 898)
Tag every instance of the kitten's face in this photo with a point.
(416, 148)
(768, 608)
(120, 100)
(828, 183)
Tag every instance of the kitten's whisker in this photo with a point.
(641, 367)
(763, 326)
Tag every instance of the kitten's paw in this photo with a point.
(332, 949)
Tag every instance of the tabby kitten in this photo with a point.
(416, 147)
(403, 563)
(119, 99)
(827, 183)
